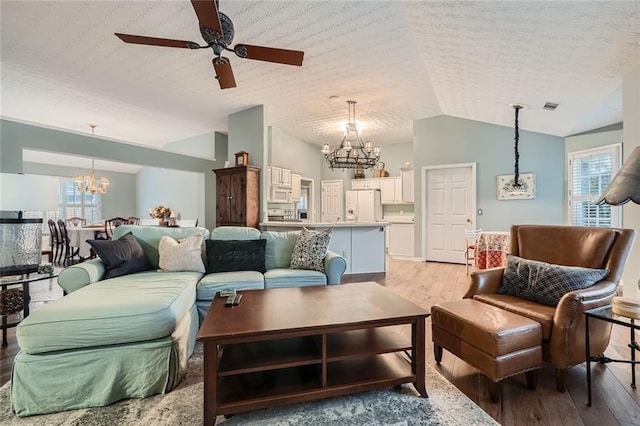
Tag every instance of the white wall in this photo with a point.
(631, 140)
(181, 191)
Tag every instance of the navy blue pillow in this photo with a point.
(545, 282)
(122, 256)
(235, 255)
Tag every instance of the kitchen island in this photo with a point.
(362, 244)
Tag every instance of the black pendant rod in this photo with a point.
(516, 168)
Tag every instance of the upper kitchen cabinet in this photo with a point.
(391, 190)
(238, 196)
(279, 177)
(357, 184)
(406, 176)
(296, 187)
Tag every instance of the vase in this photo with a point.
(161, 222)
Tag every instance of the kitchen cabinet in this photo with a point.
(406, 176)
(238, 196)
(296, 187)
(277, 176)
(401, 239)
(367, 250)
(391, 190)
(357, 184)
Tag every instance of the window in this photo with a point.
(590, 171)
(72, 202)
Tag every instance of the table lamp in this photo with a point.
(625, 187)
(20, 238)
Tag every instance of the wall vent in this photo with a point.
(550, 106)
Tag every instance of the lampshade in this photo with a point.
(28, 192)
(625, 186)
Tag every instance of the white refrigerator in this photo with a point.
(365, 204)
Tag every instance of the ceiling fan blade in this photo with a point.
(207, 12)
(224, 73)
(154, 41)
(269, 54)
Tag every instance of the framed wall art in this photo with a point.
(508, 191)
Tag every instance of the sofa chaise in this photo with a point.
(131, 336)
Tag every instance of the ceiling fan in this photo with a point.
(217, 31)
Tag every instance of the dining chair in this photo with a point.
(55, 242)
(75, 221)
(113, 223)
(133, 220)
(69, 251)
(471, 238)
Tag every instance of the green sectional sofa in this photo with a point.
(131, 336)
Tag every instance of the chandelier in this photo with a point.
(89, 183)
(352, 153)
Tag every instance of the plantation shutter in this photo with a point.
(590, 172)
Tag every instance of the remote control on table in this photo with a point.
(233, 300)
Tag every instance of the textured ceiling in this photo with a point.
(62, 66)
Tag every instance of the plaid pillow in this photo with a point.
(544, 282)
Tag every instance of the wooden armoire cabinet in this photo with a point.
(238, 196)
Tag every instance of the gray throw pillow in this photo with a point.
(122, 256)
(310, 250)
(545, 282)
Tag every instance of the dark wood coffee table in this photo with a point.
(282, 346)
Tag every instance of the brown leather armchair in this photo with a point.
(563, 342)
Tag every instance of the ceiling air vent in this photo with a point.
(550, 106)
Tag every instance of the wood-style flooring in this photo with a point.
(614, 401)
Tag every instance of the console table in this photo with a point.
(287, 345)
(606, 314)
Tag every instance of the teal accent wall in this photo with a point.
(301, 157)
(248, 132)
(198, 146)
(15, 137)
(394, 157)
(120, 200)
(449, 140)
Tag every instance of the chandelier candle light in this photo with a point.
(88, 183)
(352, 153)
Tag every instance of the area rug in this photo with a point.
(446, 405)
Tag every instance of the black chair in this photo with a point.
(55, 242)
(133, 220)
(69, 251)
(113, 223)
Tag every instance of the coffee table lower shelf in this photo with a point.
(264, 389)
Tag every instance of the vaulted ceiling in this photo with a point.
(62, 66)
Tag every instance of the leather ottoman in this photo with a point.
(498, 343)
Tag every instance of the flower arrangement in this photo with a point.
(160, 212)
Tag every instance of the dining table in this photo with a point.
(492, 248)
(78, 236)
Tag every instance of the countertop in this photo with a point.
(286, 224)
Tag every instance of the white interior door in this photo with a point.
(450, 209)
(332, 207)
